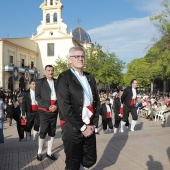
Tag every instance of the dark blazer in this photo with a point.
(10, 110)
(127, 96)
(17, 114)
(103, 110)
(43, 93)
(70, 99)
(117, 105)
(26, 102)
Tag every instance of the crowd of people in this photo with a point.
(75, 98)
(146, 104)
(9, 100)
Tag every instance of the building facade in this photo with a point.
(28, 57)
(15, 53)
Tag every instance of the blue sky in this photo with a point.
(121, 26)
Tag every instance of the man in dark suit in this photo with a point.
(45, 95)
(118, 111)
(30, 110)
(106, 113)
(128, 100)
(79, 105)
(17, 116)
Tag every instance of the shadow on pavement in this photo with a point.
(113, 149)
(22, 155)
(151, 164)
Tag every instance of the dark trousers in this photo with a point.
(78, 149)
(127, 110)
(10, 121)
(118, 120)
(48, 122)
(33, 120)
(21, 129)
(107, 122)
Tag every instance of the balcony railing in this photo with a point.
(21, 69)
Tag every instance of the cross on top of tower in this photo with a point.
(78, 21)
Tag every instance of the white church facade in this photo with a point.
(22, 59)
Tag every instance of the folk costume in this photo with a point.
(30, 109)
(78, 104)
(105, 112)
(45, 95)
(118, 110)
(10, 111)
(21, 124)
(128, 99)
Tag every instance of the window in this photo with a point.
(51, 2)
(32, 64)
(22, 63)
(48, 18)
(50, 49)
(55, 17)
(11, 60)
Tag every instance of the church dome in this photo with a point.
(80, 35)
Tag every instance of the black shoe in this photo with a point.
(97, 133)
(39, 157)
(52, 157)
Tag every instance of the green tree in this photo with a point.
(159, 60)
(138, 69)
(162, 23)
(60, 66)
(106, 67)
(156, 62)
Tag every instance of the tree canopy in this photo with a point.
(155, 64)
(104, 66)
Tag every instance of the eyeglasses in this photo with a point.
(78, 56)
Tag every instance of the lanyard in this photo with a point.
(51, 84)
(20, 109)
(32, 93)
(88, 94)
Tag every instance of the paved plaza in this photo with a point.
(146, 148)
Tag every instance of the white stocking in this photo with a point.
(40, 145)
(122, 128)
(115, 130)
(35, 133)
(133, 123)
(50, 145)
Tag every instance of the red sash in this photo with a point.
(92, 110)
(34, 107)
(23, 122)
(108, 115)
(62, 122)
(132, 102)
(52, 102)
(121, 111)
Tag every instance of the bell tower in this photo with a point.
(52, 38)
(52, 17)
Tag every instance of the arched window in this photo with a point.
(47, 18)
(55, 17)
